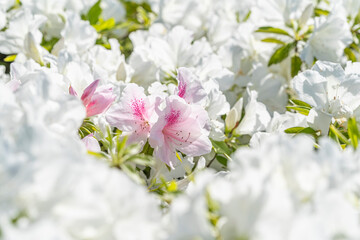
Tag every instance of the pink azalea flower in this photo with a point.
(180, 127)
(189, 87)
(91, 143)
(96, 100)
(134, 115)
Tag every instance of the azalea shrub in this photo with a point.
(179, 119)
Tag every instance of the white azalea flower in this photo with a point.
(330, 37)
(331, 92)
(188, 213)
(77, 35)
(23, 36)
(256, 116)
(52, 10)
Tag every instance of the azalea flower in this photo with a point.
(330, 37)
(189, 87)
(331, 91)
(96, 100)
(255, 119)
(91, 143)
(134, 115)
(181, 127)
(23, 37)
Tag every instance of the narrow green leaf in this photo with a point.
(273, 40)
(300, 103)
(222, 160)
(321, 12)
(273, 30)
(353, 132)
(281, 53)
(98, 154)
(355, 47)
(339, 135)
(141, 159)
(295, 65)
(94, 13)
(300, 109)
(10, 58)
(357, 19)
(297, 130)
(350, 55)
(221, 147)
(247, 16)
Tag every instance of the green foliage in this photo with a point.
(300, 103)
(299, 106)
(94, 13)
(20, 215)
(166, 190)
(273, 40)
(350, 54)
(281, 53)
(353, 132)
(273, 30)
(246, 17)
(297, 130)
(49, 45)
(221, 148)
(117, 153)
(222, 160)
(87, 128)
(10, 58)
(302, 110)
(103, 25)
(320, 12)
(338, 135)
(303, 130)
(295, 65)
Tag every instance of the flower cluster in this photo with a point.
(179, 119)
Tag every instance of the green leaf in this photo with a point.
(10, 58)
(98, 154)
(281, 53)
(353, 132)
(247, 16)
(222, 160)
(300, 103)
(273, 30)
(336, 132)
(105, 25)
(302, 110)
(350, 55)
(295, 65)
(221, 147)
(297, 130)
(355, 47)
(141, 159)
(357, 19)
(321, 12)
(273, 40)
(94, 13)
(48, 45)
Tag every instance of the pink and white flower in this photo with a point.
(91, 143)
(189, 87)
(181, 127)
(96, 100)
(134, 115)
